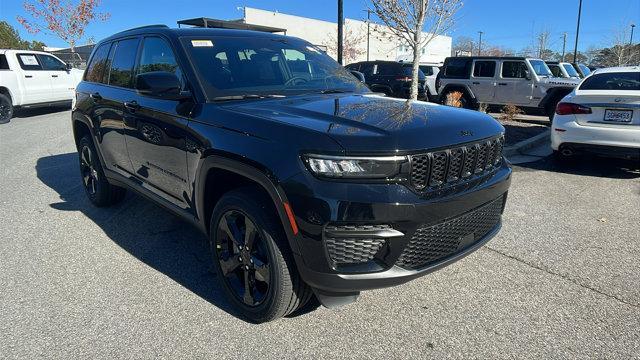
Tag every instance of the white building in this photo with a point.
(381, 45)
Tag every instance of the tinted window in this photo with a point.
(427, 70)
(158, 56)
(98, 64)
(612, 81)
(367, 69)
(407, 70)
(122, 64)
(514, 69)
(51, 63)
(386, 69)
(457, 68)
(484, 69)
(4, 65)
(29, 62)
(555, 70)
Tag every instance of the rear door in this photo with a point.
(483, 82)
(514, 85)
(62, 82)
(36, 81)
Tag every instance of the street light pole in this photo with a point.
(631, 39)
(564, 44)
(575, 49)
(368, 30)
(340, 26)
(480, 42)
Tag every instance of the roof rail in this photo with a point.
(229, 24)
(146, 27)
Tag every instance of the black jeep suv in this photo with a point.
(308, 186)
(390, 77)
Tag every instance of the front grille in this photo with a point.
(353, 250)
(432, 243)
(438, 169)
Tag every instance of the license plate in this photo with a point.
(618, 115)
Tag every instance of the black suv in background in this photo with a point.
(390, 77)
(308, 186)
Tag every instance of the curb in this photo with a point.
(527, 144)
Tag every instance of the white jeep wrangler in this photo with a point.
(34, 78)
(524, 82)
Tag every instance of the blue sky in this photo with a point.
(504, 22)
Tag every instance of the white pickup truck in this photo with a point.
(34, 78)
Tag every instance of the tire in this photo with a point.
(98, 189)
(6, 109)
(263, 262)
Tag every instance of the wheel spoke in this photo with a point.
(224, 226)
(85, 179)
(249, 233)
(86, 157)
(229, 263)
(248, 288)
(93, 185)
(262, 270)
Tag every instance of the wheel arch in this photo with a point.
(219, 173)
(5, 91)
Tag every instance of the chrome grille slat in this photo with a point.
(442, 168)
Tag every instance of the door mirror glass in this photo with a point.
(358, 75)
(161, 84)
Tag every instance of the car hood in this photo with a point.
(370, 123)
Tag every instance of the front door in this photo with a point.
(36, 81)
(483, 82)
(514, 84)
(155, 129)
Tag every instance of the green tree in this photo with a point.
(10, 39)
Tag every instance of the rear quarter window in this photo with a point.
(629, 81)
(457, 69)
(99, 64)
(4, 65)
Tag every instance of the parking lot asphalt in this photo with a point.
(561, 280)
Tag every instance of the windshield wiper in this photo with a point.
(246, 96)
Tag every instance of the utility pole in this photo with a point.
(631, 39)
(368, 30)
(575, 49)
(564, 44)
(480, 42)
(340, 26)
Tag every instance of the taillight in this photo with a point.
(570, 108)
(405, 79)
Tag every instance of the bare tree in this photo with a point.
(463, 45)
(352, 48)
(542, 40)
(65, 19)
(407, 19)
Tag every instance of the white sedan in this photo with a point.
(601, 116)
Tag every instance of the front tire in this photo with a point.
(98, 189)
(6, 109)
(252, 257)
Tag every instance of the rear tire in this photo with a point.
(6, 109)
(257, 271)
(98, 189)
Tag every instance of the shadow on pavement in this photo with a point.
(586, 166)
(152, 235)
(36, 111)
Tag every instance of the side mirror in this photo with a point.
(160, 84)
(527, 75)
(68, 66)
(358, 75)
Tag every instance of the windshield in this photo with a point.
(585, 70)
(570, 70)
(240, 66)
(540, 67)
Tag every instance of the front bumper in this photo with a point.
(319, 205)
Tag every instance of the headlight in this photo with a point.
(354, 167)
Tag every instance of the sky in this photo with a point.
(508, 23)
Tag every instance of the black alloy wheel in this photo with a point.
(243, 257)
(98, 189)
(88, 171)
(6, 109)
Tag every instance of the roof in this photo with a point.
(491, 57)
(194, 31)
(618, 69)
(229, 24)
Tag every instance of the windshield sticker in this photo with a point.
(29, 60)
(201, 43)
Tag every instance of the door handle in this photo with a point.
(502, 84)
(476, 83)
(54, 75)
(95, 96)
(28, 76)
(131, 105)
